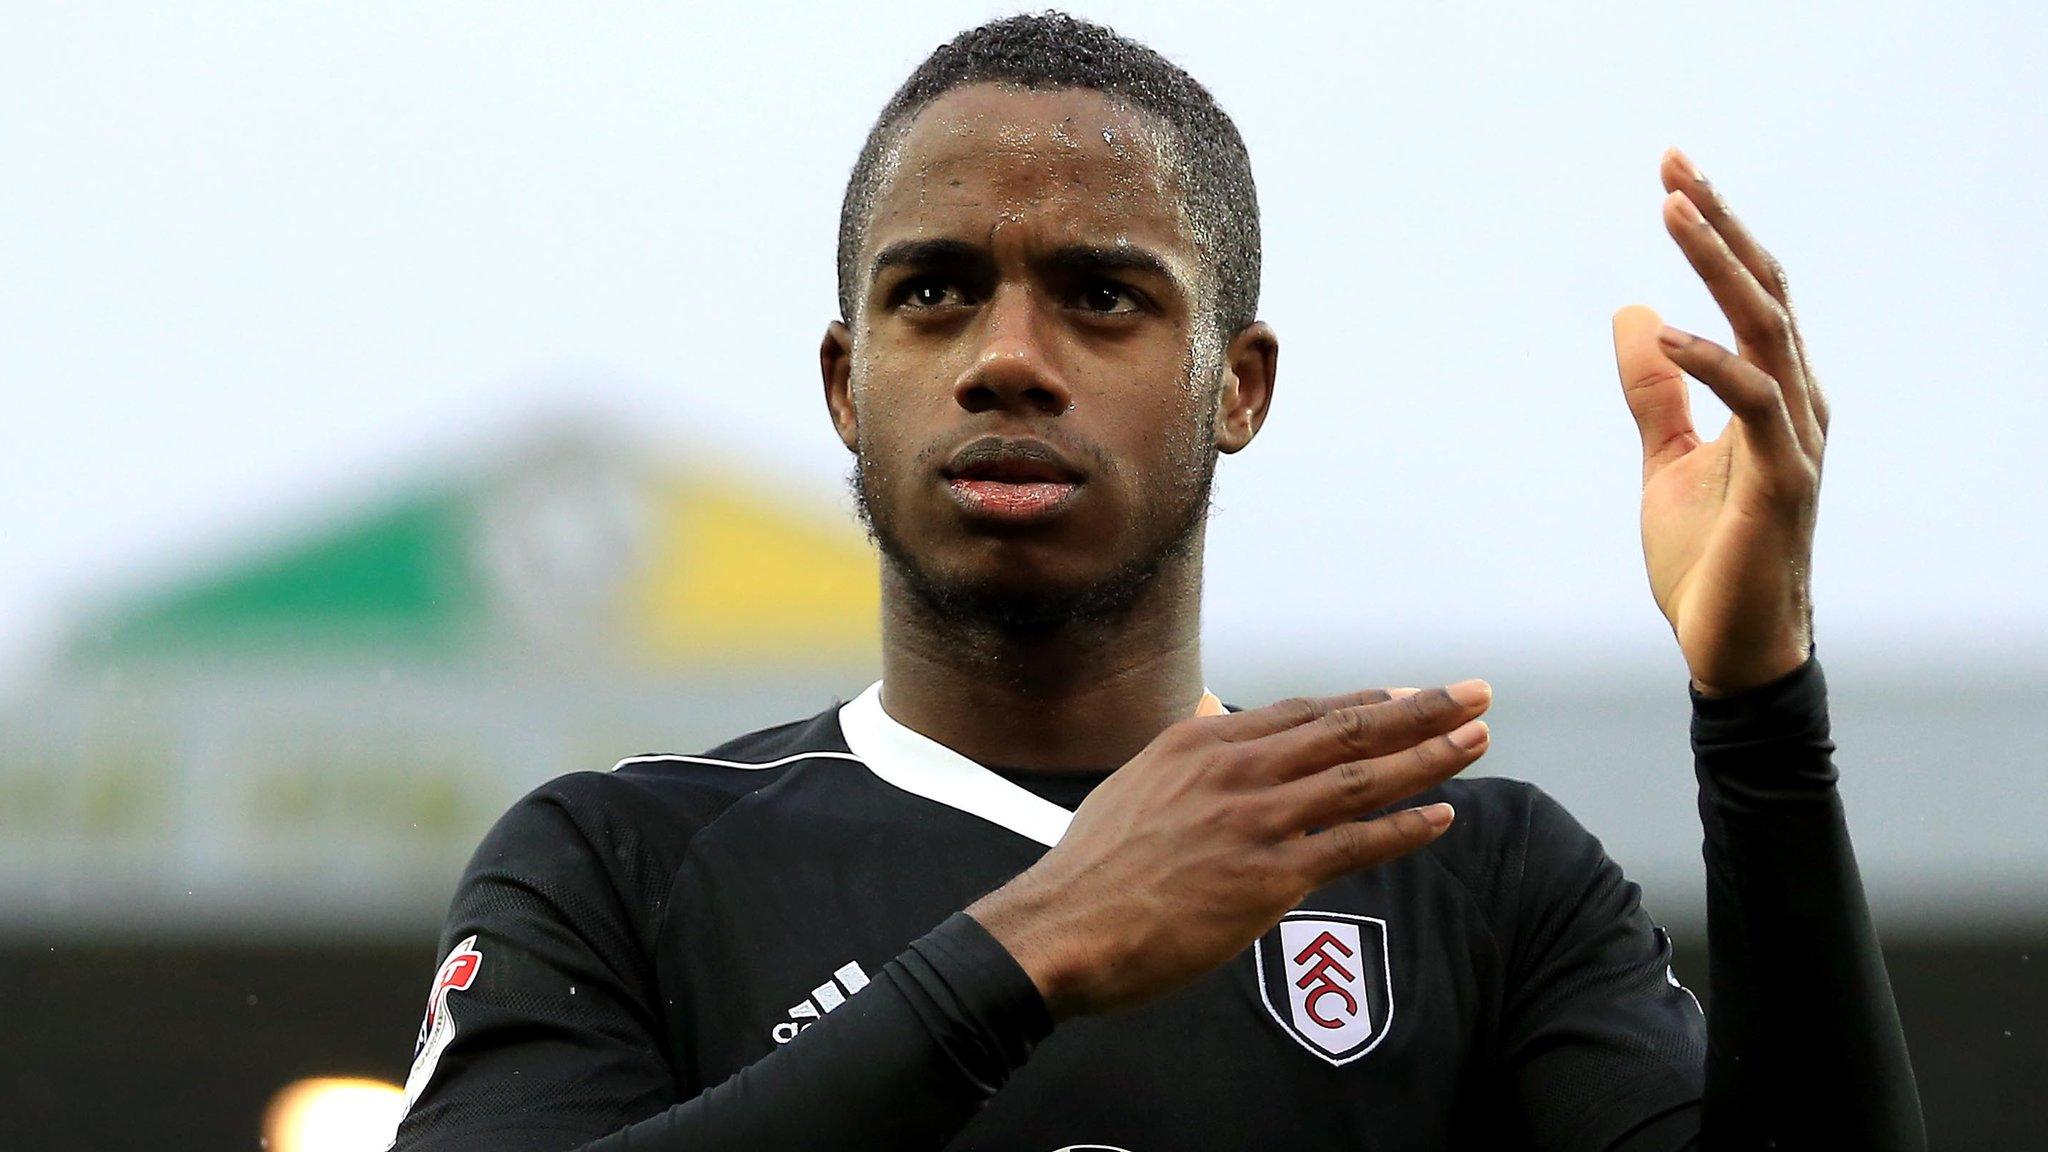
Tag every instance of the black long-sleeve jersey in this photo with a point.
(763, 947)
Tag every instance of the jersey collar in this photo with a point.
(916, 763)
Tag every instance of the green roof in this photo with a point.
(400, 576)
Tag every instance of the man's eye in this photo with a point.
(932, 294)
(1107, 298)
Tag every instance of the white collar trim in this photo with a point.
(918, 764)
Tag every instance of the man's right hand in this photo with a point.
(1219, 827)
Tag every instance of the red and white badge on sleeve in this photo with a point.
(456, 974)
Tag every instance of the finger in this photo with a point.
(1357, 788)
(1355, 844)
(1763, 328)
(1280, 715)
(1764, 331)
(1654, 387)
(1368, 730)
(1817, 397)
(1680, 174)
(1749, 392)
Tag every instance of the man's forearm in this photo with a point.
(1804, 1044)
(904, 1065)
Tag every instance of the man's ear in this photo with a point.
(835, 363)
(1249, 365)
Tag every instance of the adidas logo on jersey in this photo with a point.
(824, 998)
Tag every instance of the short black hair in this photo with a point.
(1053, 50)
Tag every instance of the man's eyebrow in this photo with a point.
(1122, 258)
(925, 254)
(1070, 259)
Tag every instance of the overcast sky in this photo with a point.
(256, 259)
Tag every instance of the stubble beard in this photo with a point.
(970, 606)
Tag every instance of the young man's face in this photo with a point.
(1029, 292)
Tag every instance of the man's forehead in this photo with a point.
(1074, 120)
(989, 150)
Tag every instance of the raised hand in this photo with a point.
(1221, 825)
(1728, 522)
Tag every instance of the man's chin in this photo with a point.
(1016, 603)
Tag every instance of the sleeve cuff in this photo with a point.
(1794, 705)
(997, 1010)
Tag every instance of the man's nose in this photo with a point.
(1013, 369)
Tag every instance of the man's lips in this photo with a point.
(1012, 502)
(1015, 460)
(1012, 480)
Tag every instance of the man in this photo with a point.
(935, 918)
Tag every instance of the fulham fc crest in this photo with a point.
(1323, 976)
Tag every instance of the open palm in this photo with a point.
(1728, 522)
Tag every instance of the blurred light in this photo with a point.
(333, 1115)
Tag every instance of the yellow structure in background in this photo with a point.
(735, 575)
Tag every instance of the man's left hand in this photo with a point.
(1728, 522)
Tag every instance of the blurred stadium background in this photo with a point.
(407, 407)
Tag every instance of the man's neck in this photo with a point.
(1086, 695)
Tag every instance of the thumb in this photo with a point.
(1654, 387)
